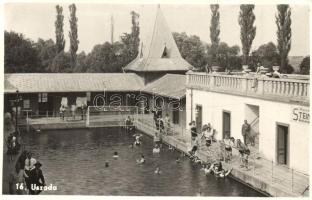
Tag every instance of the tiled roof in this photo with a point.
(71, 82)
(170, 85)
(150, 53)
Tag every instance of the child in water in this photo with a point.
(157, 171)
(115, 155)
(137, 139)
(141, 160)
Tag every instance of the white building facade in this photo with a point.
(276, 109)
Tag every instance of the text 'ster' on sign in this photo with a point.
(300, 114)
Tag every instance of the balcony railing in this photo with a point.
(283, 89)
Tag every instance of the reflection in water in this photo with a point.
(74, 161)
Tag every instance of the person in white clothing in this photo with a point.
(208, 134)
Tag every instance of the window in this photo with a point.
(165, 53)
(42, 97)
(175, 116)
(26, 103)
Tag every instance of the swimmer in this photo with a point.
(157, 171)
(178, 160)
(115, 155)
(171, 148)
(208, 169)
(156, 149)
(137, 139)
(141, 160)
(106, 164)
(199, 193)
(225, 173)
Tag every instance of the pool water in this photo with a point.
(74, 161)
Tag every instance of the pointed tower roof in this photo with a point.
(160, 53)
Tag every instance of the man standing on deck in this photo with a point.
(245, 131)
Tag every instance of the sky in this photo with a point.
(36, 20)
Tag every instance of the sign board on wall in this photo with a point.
(301, 114)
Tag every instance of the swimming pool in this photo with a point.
(74, 161)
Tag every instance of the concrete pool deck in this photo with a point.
(258, 176)
(262, 175)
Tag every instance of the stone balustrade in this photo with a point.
(260, 86)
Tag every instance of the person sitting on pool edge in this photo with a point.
(141, 160)
(115, 155)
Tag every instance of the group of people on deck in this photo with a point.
(28, 176)
(162, 123)
(72, 111)
(227, 144)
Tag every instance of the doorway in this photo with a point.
(199, 117)
(226, 124)
(282, 144)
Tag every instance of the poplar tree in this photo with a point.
(73, 35)
(135, 33)
(283, 22)
(247, 29)
(59, 33)
(214, 30)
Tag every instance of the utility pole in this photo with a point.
(112, 29)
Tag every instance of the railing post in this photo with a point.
(212, 81)
(244, 85)
(47, 114)
(260, 86)
(272, 173)
(88, 117)
(292, 180)
(187, 78)
(254, 166)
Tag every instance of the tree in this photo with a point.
(283, 22)
(266, 55)
(61, 63)
(192, 49)
(81, 65)
(59, 33)
(135, 33)
(247, 29)
(214, 30)
(47, 51)
(20, 55)
(73, 35)
(305, 66)
(227, 57)
(106, 58)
